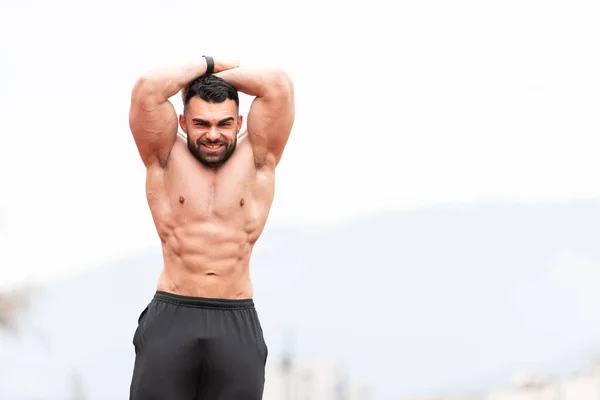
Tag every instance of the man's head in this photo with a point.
(211, 119)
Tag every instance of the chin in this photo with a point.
(212, 158)
(211, 164)
(211, 161)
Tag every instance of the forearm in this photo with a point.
(162, 84)
(258, 82)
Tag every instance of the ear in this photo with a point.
(182, 123)
(239, 125)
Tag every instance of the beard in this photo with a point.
(212, 159)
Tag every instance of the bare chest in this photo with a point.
(208, 194)
(236, 194)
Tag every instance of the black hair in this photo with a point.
(211, 89)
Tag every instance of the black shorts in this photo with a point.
(190, 348)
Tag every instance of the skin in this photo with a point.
(209, 217)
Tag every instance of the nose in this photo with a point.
(212, 134)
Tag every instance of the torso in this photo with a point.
(208, 220)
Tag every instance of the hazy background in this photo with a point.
(436, 215)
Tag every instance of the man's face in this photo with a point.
(211, 130)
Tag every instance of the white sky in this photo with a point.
(399, 105)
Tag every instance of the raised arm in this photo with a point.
(152, 117)
(272, 113)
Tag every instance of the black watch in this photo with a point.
(210, 65)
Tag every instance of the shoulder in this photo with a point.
(261, 157)
(245, 151)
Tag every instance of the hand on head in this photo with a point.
(220, 65)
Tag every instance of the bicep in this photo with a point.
(153, 125)
(270, 122)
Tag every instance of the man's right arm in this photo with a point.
(152, 117)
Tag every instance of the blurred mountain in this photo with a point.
(448, 298)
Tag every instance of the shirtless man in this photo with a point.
(209, 193)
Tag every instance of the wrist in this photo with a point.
(210, 65)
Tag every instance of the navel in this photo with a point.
(181, 200)
(242, 202)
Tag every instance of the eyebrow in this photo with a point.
(203, 121)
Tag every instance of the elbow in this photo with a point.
(281, 84)
(145, 88)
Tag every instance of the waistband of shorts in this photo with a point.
(203, 302)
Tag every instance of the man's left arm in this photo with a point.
(272, 113)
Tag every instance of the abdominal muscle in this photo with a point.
(206, 259)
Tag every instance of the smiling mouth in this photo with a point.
(215, 146)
